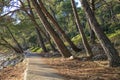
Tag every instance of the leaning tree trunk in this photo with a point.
(51, 44)
(80, 28)
(41, 40)
(31, 15)
(16, 42)
(109, 49)
(62, 48)
(74, 47)
(48, 38)
(10, 46)
(92, 34)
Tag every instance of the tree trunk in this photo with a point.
(52, 46)
(109, 49)
(62, 48)
(41, 40)
(38, 27)
(16, 42)
(92, 34)
(48, 38)
(80, 27)
(74, 47)
(10, 46)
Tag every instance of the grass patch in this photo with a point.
(35, 49)
(39, 49)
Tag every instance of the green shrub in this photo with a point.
(115, 37)
(34, 49)
(39, 50)
(77, 39)
(66, 43)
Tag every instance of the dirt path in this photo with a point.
(38, 70)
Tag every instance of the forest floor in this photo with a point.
(70, 69)
(76, 69)
(13, 72)
(84, 70)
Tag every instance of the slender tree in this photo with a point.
(16, 42)
(56, 25)
(37, 27)
(92, 34)
(80, 28)
(41, 40)
(8, 45)
(61, 47)
(109, 49)
(48, 38)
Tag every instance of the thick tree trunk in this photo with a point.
(109, 49)
(80, 27)
(62, 48)
(48, 38)
(41, 40)
(16, 42)
(74, 47)
(37, 26)
(52, 46)
(92, 34)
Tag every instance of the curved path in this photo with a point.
(38, 70)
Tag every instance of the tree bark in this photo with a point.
(74, 47)
(61, 47)
(41, 40)
(52, 45)
(16, 42)
(48, 38)
(109, 49)
(38, 27)
(92, 34)
(8, 45)
(80, 27)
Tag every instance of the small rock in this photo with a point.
(5, 64)
(1, 67)
(71, 57)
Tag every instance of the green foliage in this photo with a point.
(116, 9)
(39, 49)
(36, 49)
(33, 39)
(64, 16)
(118, 16)
(77, 39)
(115, 37)
(66, 43)
(114, 27)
